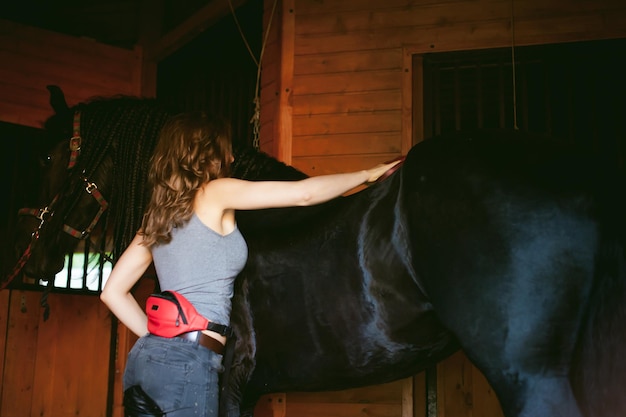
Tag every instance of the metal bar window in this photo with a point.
(571, 91)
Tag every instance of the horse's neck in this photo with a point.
(251, 164)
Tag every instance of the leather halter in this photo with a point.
(92, 189)
(43, 214)
(75, 141)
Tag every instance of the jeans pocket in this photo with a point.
(164, 382)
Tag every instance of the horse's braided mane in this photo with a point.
(127, 128)
(252, 164)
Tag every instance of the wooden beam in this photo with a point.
(150, 27)
(407, 101)
(407, 398)
(190, 28)
(416, 99)
(284, 122)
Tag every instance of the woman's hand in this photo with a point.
(376, 172)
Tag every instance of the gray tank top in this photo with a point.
(202, 265)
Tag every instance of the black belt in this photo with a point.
(203, 340)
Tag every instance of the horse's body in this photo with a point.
(507, 247)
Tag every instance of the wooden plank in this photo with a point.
(123, 344)
(411, 117)
(345, 82)
(334, 164)
(272, 38)
(34, 96)
(23, 115)
(350, 102)
(4, 328)
(347, 144)
(78, 48)
(454, 386)
(68, 360)
(269, 93)
(531, 32)
(87, 73)
(615, 22)
(471, 33)
(342, 410)
(30, 51)
(45, 355)
(71, 374)
(407, 398)
(83, 69)
(144, 79)
(270, 63)
(283, 137)
(380, 59)
(19, 359)
(341, 6)
(442, 14)
(398, 19)
(24, 72)
(266, 137)
(485, 401)
(270, 78)
(419, 395)
(91, 385)
(566, 28)
(546, 9)
(388, 121)
(389, 393)
(463, 390)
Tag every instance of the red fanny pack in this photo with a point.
(170, 314)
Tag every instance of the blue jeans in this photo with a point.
(179, 375)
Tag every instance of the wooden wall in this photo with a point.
(62, 366)
(34, 58)
(339, 93)
(58, 367)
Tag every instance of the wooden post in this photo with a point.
(284, 119)
(407, 398)
(150, 25)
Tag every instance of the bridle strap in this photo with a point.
(19, 265)
(41, 215)
(92, 189)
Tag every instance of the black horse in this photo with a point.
(508, 246)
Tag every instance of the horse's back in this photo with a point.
(506, 232)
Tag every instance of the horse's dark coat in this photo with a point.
(505, 245)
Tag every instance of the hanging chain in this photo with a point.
(256, 123)
(256, 117)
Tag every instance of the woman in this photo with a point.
(189, 232)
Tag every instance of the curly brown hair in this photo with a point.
(193, 149)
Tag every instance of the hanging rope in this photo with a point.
(513, 65)
(256, 117)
